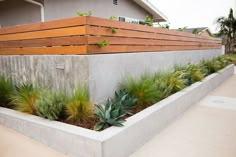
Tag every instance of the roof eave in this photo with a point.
(157, 14)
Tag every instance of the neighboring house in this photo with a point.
(199, 30)
(17, 12)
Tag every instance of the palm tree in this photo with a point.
(227, 27)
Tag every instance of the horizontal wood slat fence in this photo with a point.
(81, 35)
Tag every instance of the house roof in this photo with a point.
(200, 29)
(157, 14)
(190, 30)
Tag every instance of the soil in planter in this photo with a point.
(88, 124)
(9, 106)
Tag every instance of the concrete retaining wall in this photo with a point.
(102, 72)
(120, 142)
(114, 141)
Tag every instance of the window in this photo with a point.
(115, 2)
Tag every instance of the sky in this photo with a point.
(194, 13)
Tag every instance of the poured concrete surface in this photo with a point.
(206, 130)
(13, 144)
(102, 72)
(228, 89)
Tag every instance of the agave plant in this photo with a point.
(6, 89)
(24, 98)
(125, 101)
(50, 105)
(79, 107)
(109, 115)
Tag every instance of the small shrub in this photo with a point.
(50, 105)
(113, 30)
(79, 107)
(103, 43)
(113, 17)
(84, 13)
(109, 115)
(24, 98)
(143, 89)
(6, 89)
(149, 20)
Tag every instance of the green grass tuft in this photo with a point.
(144, 89)
(6, 89)
(51, 105)
(79, 107)
(24, 98)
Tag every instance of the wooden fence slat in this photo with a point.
(45, 50)
(81, 35)
(45, 33)
(133, 41)
(61, 41)
(123, 49)
(129, 26)
(70, 22)
(91, 30)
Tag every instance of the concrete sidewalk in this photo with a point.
(13, 144)
(208, 129)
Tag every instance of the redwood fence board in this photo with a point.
(135, 41)
(70, 22)
(95, 21)
(124, 49)
(81, 35)
(45, 50)
(60, 41)
(60, 32)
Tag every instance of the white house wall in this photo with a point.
(58, 9)
(18, 12)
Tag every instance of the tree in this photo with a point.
(196, 31)
(182, 29)
(227, 27)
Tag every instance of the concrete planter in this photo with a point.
(112, 142)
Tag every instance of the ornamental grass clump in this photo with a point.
(24, 98)
(79, 107)
(6, 89)
(195, 72)
(191, 73)
(51, 105)
(170, 82)
(225, 60)
(211, 66)
(215, 64)
(143, 89)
